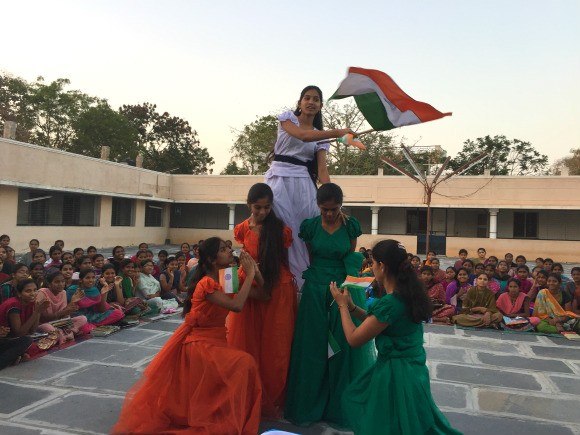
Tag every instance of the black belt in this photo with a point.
(311, 165)
(290, 159)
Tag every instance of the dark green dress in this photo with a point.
(316, 381)
(394, 396)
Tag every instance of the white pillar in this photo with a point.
(493, 223)
(375, 220)
(232, 218)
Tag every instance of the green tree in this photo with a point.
(55, 111)
(571, 162)
(168, 142)
(14, 105)
(347, 160)
(253, 144)
(232, 168)
(505, 157)
(101, 125)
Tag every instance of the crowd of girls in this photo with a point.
(502, 294)
(64, 296)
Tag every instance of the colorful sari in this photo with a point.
(548, 307)
(91, 298)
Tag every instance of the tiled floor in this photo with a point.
(484, 381)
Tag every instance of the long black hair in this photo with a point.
(394, 256)
(208, 252)
(271, 251)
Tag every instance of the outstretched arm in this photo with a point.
(312, 135)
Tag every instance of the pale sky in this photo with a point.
(502, 67)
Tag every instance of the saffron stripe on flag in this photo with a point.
(382, 102)
(355, 281)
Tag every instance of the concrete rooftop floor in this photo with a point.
(484, 381)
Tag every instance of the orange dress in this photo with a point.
(265, 329)
(196, 384)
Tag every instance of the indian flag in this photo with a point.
(354, 281)
(383, 104)
(229, 279)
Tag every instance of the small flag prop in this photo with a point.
(359, 283)
(348, 139)
(229, 279)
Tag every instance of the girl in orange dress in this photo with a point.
(197, 384)
(265, 327)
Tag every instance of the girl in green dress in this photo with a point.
(393, 396)
(322, 364)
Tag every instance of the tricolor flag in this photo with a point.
(229, 279)
(383, 104)
(361, 283)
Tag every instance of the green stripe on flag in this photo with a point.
(333, 346)
(235, 280)
(373, 110)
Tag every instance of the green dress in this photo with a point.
(394, 396)
(316, 381)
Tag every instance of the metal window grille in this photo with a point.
(154, 214)
(122, 213)
(525, 225)
(51, 208)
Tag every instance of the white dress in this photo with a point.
(294, 191)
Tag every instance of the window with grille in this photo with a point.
(154, 214)
(416, 221)
(525, 225)
(51, 208)
(123, 212)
